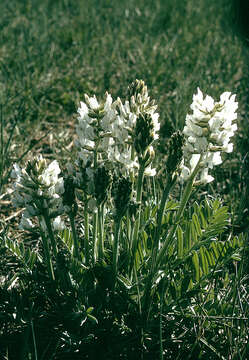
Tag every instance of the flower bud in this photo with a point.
(132, 209)
(102, 183)
(144, 133)
(137, 87)
(92, 206)
(175, 152)
(149, 156)
(139, 99)
(69, 193)
(122, 192)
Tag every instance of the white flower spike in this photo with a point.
(207, 133)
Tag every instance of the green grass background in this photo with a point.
(51, 52)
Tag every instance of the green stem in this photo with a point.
(160, 321)
(115, 247)
(96, 214)
(153, 186)
(139, 306)
(47, 256)
(50, 231)
(128, 229)
(160, 213)
(184, 201)
(138, 220)
(101, 232)
(75, 238)
(133, 171)
(95, 159)
(86, 231)
(95, 229)
(130, 263)
(34, 341)
(161, 334)
(140, 182)
(138, 292)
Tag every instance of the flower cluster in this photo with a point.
(115, 136)
(95, 130)
(137, 128)
(95, 127)
(207, 133)
(38, 188)
(111, 129)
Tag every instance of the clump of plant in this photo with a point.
(119, 263)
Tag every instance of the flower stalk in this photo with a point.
(86, 233)
(136, 225)
(168, 187)
(48, 259)
(50, 231)
(94, 236)
(75, 237)
(185, 198)
(100, 219)
(116, 247)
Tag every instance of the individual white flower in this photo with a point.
(228, 148)
(49, 176)
(59, 186)
(58, 224)
(125, 110)
(191, 128)
(212, 158)
(185, 172)
(149, 171)
(194, 161)
(200, 144)
(156, 125)
(85, 132)
(124, 159)
(201, 105)
(83, 110)
(205, 178)
(25, 223)
(92, 102)
(230, 106)
(105, 144)
(16, 173)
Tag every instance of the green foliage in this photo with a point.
(200, 238)
(26, 256)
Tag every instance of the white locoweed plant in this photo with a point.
(123, 227)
